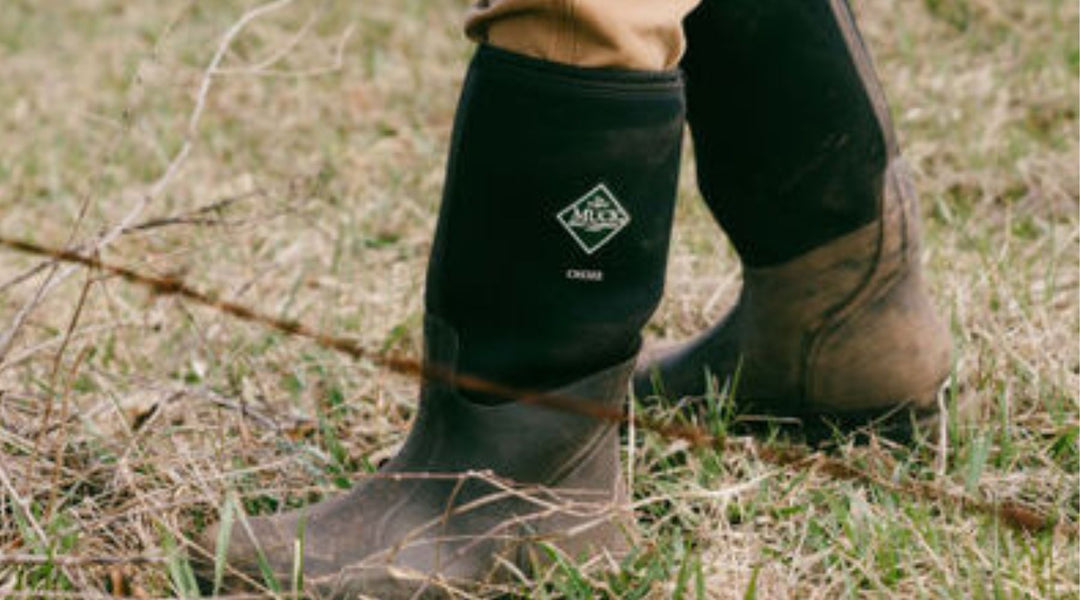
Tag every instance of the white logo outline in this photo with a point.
(620, 221)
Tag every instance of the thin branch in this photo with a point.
(79, 561)
(1016, 515)
(191, 217)
(335, 66)
(279, 53)
(162, 182)
(23, 506)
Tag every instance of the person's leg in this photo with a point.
(627, 34)
(548, 258)
(797, 159)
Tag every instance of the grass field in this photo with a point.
(291, 159)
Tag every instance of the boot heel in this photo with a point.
(887, 347)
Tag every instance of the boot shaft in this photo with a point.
(790, 126)
(553, 235)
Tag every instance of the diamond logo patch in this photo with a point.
(594, 219)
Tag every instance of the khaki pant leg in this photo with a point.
(629, 34)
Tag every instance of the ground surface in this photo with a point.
(303, 180)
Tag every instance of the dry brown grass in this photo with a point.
(310, 192)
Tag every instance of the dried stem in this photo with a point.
(1015, 515)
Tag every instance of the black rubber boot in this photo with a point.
(791, 131)
(548, 259)
(797, 160)
(553, 236)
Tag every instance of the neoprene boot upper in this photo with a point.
(797, 160)
(549, 256)
(553, 234)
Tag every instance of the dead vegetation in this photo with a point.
(288, 156)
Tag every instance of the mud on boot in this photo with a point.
(797, 160)
(548, 259)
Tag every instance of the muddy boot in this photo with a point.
(797, 160)
(548, 259)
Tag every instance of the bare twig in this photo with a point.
(262, 69)
(61, 447)
(197, 216)
(79, 561)
(7, 337)
(201, 96)
(244, 409)
(23, 506)
(85, 595)
(1014, 514)
(173, 286)
(28, 353)
(158, 186)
